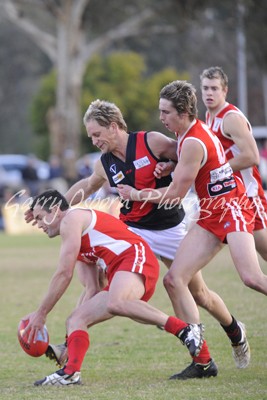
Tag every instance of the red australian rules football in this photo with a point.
(36, 349)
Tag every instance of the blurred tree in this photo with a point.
(70, 32)
(190, 35)
(118, 77)
(256, 32)
(63, 38)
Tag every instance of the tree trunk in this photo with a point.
(65, 119)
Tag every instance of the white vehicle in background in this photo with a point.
(11, 166)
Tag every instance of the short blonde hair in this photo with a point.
(104, 113)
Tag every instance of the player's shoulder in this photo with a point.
(156, 137)
(75, 220)
(76, 213)
(99, 170)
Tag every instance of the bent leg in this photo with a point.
(91, 312)
(125, 293)
(196, 250)
(260, 238)
(209, 300)
(88, 275)
(246, 261)
(206, 298)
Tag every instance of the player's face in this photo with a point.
(101, 136)
(213, 94)
(48, 222)
(169, 116)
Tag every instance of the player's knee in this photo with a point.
(263, 254)
(116, 307)
(171, 282)
(251, 281)
(70, 323)
(73, 322)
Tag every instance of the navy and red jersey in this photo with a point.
(137, 171)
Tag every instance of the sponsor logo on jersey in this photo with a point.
(222, 187)
(226, 225)
(216, 188)
(141, 162)
(229, 183)
(118, 177)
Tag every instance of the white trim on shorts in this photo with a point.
(163, 243)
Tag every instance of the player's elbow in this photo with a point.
(256, 159)
(254, 156)
(65, 276)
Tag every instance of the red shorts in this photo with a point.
(139, 259)
(233, 218)
(260, 211)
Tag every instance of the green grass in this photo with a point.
(126, 360)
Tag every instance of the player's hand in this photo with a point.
(91, 260)
(28, 216)
(127, 192)
(164, 169)
(35, 325)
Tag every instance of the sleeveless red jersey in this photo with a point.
(108, 242)
(107, 238)
(215, 183)
(250, 176)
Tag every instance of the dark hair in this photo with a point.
(50, 198)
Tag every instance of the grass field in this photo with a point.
(126, 360)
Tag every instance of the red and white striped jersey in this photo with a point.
(250, 176)
(222, 199)
(215, 177)
(107, 238)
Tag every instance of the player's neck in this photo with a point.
(215, 110)
(120, 148)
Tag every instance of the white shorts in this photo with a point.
(163, 243)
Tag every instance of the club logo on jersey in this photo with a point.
(113, 168)
(216, 125)
(118, 177)
(141, 162)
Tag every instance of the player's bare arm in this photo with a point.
(236, 127)
(163, 147)
(70, 231)
(164, 168)
(85, 187)
(183, 178)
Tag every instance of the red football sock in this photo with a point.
(174, 325)
(204, 355)
(78, 344)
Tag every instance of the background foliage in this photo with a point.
(182, 36)
(120, 78)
